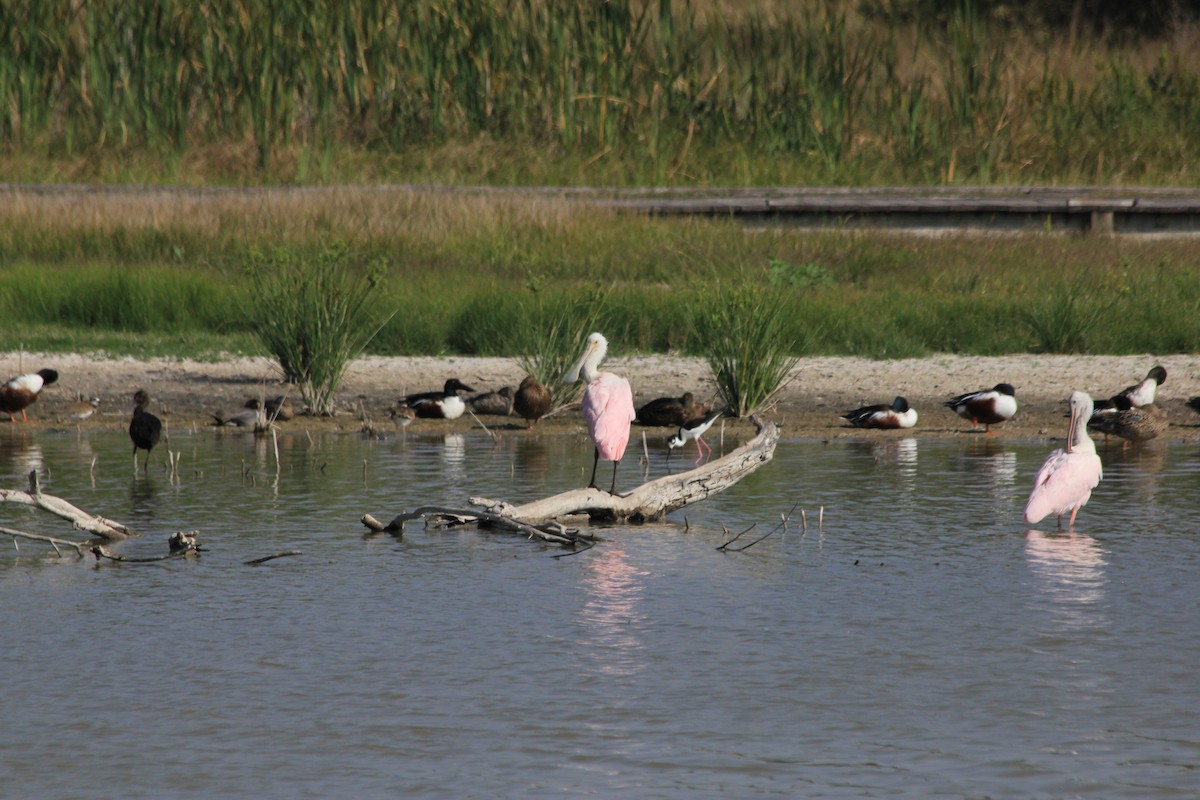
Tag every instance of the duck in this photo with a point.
(445, 404)
(988, 406)
(251, 417)
(145, 429)
(498, 403)
(20, 392)
(83, 409)
(1132, 423)
(532, 401)
(898, 415)
(1145, 391)
(277, 408)
(671, 412)
(695, 429)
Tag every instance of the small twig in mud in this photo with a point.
(480, 424)
(256, 561)
(735, 538)
(782, 525)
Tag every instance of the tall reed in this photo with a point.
(745, 337)
(629, 91)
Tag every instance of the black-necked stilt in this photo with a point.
(695, 430)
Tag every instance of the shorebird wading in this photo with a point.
(1065, 482)
(607, 406)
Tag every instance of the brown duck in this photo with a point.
(532, 400)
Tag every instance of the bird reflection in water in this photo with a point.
(20, 454)
(1070, 567)
(531, 459)
(610, 615)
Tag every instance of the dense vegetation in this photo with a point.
(475, 273)
(681, 92)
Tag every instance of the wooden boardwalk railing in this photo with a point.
(1095, 209)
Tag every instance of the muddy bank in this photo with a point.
(187, 393)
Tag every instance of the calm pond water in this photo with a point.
(920, 643)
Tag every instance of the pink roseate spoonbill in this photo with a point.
(21, 391)
(1065, 481)
(695, 430)
(898, 415)
(607, 406)
(145, 429)
(533, 400)
(987, 406)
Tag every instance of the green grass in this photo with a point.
(168, 277)
(624, 92)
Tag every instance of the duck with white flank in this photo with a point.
(607, 406)
(445, 404)
(1144, 392)
(18, 393)
(1140, 394)
(145, 429)
(1132, 423)
(695, 430)
(671, 412)
(533, 400)
(1065, 481)
(898, 415)
(987, 406)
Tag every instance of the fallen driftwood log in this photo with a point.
(655, 499)
(105, 529)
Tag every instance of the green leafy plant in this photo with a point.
(313, 313)
(744, 337)
(781, 274)
(557, 328)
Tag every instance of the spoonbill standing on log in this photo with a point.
(1065, 481)
(607, 406)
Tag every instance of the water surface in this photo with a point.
(920, 643)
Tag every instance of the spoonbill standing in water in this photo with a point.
(1065, 481)
(607, 406)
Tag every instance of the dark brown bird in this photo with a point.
(145, 429)
(671, 412)
(1133, 423)
(277, 408)
(21, 391)
(499, 403)
(532, 401)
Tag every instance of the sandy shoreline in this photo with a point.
(188, 392)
